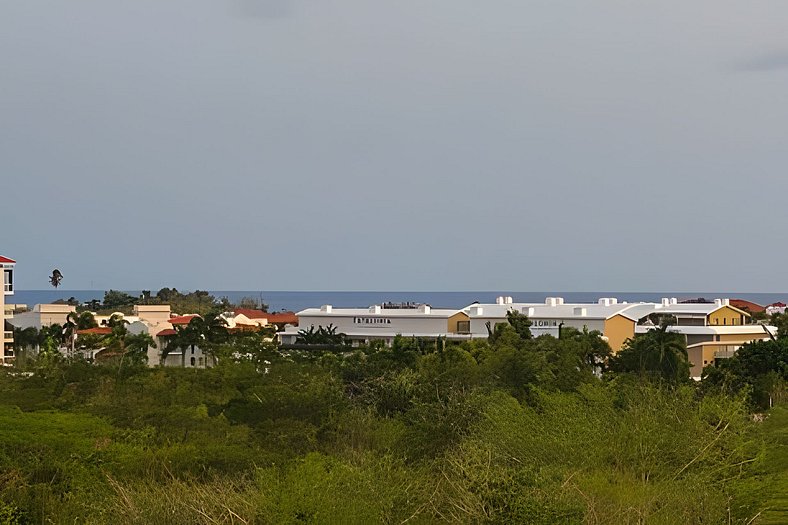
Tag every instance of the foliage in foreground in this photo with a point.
(517, 431)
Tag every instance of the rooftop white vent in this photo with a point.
(476, 311)
(551, 301)
(528, 310)
(374, 309)
(508, 299)
(579, 311)
(326, 308)
(499, 300)
(424, 308)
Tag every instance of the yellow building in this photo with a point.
(712, 330)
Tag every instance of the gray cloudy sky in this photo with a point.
(403, 144)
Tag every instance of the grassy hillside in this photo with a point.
(515, 430)
(775, 483)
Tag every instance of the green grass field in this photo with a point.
(775, 429)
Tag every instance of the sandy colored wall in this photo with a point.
(454, 319)
(617, 330)
(727, 316)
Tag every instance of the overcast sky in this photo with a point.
(395, 145)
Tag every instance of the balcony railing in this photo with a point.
(8, 335)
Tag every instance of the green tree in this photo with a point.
(322, 336)
(116, 300)
(659, 353)
(759, 368)
(211, 333)
(136, 347)
(520, 323)
(594, 350)
(76, 321)
(781, 322)
(25, 338)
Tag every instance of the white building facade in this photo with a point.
(378, 323)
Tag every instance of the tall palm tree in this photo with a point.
(667, 350)
(658, 352)
(76, 321)
(207, 332)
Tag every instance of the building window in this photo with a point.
(191, 361)
(8, 280)
(192, 351)
(463, 327)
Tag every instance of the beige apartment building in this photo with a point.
(7, 340)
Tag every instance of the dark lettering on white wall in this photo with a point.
(371, 321)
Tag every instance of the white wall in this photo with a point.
(549, 325)
(424, 324)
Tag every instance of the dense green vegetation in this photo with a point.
(196, 302)
(513, 429)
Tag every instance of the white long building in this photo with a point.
(713, 330)
(377, 323)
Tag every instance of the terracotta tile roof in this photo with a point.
(278, 318)
(749, 306)
(6, 260)
(778, 304)
(181, 319)
(101, 330)
(282, 318)
(166, 332)
(250, 313)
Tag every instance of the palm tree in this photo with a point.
(116, 320)
(75, 322)
(669, 350)
(137, 345)
(134, 345)
(658, 352)
(208, 332)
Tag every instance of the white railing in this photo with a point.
(8, 336)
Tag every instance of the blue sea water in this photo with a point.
(295, 301)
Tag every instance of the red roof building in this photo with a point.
(250, 313)
(272, 318)
(282, 318)
(747, 306)
(166, 332)
(6, 260)
(181, 319)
